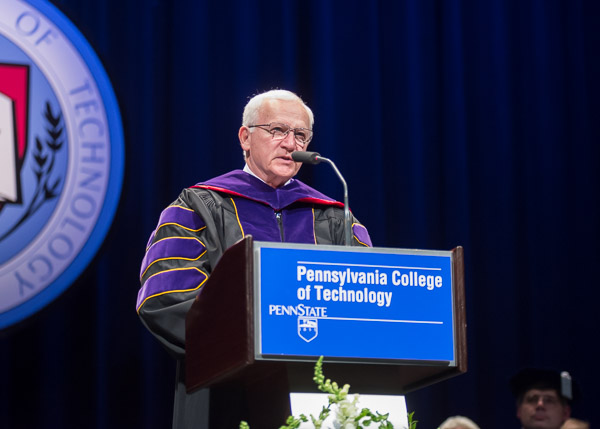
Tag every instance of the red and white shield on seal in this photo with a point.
(14, 87)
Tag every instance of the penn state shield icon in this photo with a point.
(61, 156)
(308, 328)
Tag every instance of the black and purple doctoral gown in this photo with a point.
(194, 231)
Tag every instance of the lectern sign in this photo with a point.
(350, 303)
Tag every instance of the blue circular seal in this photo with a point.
(61, 156)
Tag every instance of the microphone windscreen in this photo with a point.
(306, 157)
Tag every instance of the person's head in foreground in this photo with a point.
(458, 422)
(575, 424)
(543, 398)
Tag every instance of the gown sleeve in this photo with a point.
(180, 255)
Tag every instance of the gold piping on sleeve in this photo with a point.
(173, 223)
(314, 227)
(173, 291)
(175, 257)
(237, 217)
(181, 207)
(178, 224)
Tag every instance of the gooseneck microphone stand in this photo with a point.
(315, 158)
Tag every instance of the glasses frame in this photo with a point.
(290, 129)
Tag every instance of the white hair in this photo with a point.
(252, 109)
(458, 422)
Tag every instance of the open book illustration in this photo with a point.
(8, 151)
(14, 89)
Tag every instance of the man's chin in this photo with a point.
(539, 424)
(285, 173)
(280, 178)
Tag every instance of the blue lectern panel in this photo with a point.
(349, 303)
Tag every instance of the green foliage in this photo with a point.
(347, 412)
(412, 424)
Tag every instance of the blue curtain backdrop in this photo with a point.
(473, 123)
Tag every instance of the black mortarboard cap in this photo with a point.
(534, 378)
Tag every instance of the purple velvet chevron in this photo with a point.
(178, 215)
(186, 279)
(186, 218)
(189, 248)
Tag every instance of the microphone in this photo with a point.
(315, 158)
(306, 157)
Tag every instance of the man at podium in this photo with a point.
(263, 200)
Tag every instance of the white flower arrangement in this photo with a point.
(348, 415)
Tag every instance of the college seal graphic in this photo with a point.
(61, 156)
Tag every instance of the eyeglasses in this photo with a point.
(279, 131)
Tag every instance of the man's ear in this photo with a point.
(244, 137)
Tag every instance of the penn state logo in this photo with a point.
(308, 328)
(61, 156)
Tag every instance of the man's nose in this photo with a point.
(289, 141)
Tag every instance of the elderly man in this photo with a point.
(543, 398)
(262, 200)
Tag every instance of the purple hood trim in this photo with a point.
(240, 183)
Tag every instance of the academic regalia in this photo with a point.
(195, 230)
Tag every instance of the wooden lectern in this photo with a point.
(221, 353)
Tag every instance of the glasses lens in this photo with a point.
(279, 131)
(302, 135)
